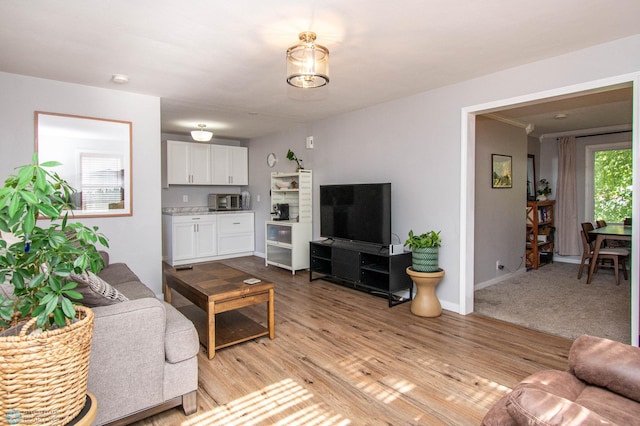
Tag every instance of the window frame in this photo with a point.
(590, 150)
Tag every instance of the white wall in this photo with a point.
(136, 239)
(416, 143)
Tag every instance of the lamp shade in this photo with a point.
(201, 135)
(307, 63)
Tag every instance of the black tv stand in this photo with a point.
(362, 266)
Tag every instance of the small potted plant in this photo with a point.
(424, 249)
(292, 157)
(544, 190)
(425, 272)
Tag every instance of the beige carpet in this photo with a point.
(553, 300)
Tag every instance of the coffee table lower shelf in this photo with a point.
(232, 327)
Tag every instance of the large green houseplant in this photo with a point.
(51, 339)
(39, 264)
(425, 249)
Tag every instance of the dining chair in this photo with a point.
(600, 224)
(586, 228)
(618, 257)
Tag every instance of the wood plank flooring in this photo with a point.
(342, 357)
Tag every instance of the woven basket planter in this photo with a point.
(43, 377)
(425, 259)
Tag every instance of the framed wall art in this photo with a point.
(501, 171)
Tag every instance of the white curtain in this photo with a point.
(566, 241)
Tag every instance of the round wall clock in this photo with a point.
(272, 159)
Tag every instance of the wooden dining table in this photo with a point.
(608, 232)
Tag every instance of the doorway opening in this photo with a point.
(468, 201)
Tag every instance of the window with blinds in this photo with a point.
(102, 181)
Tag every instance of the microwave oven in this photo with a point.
(225, 202)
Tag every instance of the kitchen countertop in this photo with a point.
(188, 211)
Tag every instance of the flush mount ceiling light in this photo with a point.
(201, 135)
(120, 78)
(307, 63)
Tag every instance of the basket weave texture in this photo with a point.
(43, 377)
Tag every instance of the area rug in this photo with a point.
(553, 300)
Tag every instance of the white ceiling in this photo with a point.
(601, 111)
(222, 63)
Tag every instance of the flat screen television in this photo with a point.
(356, 212)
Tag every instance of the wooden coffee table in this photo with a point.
(219, 291)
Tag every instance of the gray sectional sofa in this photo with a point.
(143, 354)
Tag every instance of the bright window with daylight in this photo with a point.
(102, 180)
(612, 175)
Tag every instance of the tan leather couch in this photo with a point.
(602, 386)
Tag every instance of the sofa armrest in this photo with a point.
(127, 357)
(607, 363)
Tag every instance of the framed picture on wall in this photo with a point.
(501, 171)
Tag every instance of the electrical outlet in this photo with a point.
(497, 265)
(309, 142)
(185, 198)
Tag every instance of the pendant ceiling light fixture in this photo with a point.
(307, 63)
(201, 135)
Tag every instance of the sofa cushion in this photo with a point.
(616, 408)
(530, 406)
(96, 291)
(608, 364)
(181, 339)
(105, 257)
(134, 290)
(118, 273)
(560, 383)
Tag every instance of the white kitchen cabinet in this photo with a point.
(190, 238)
(236, 233)
(188, 163)
(205, 237)
(230, 165)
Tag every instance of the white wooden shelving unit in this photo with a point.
(287, 242)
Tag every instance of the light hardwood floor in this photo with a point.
(342, 357)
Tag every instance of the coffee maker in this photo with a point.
(281, 212)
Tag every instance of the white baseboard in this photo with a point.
(499, 279)
(567, 259)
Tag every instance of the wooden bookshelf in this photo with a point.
(540, 233)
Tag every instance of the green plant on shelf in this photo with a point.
(292, 157)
